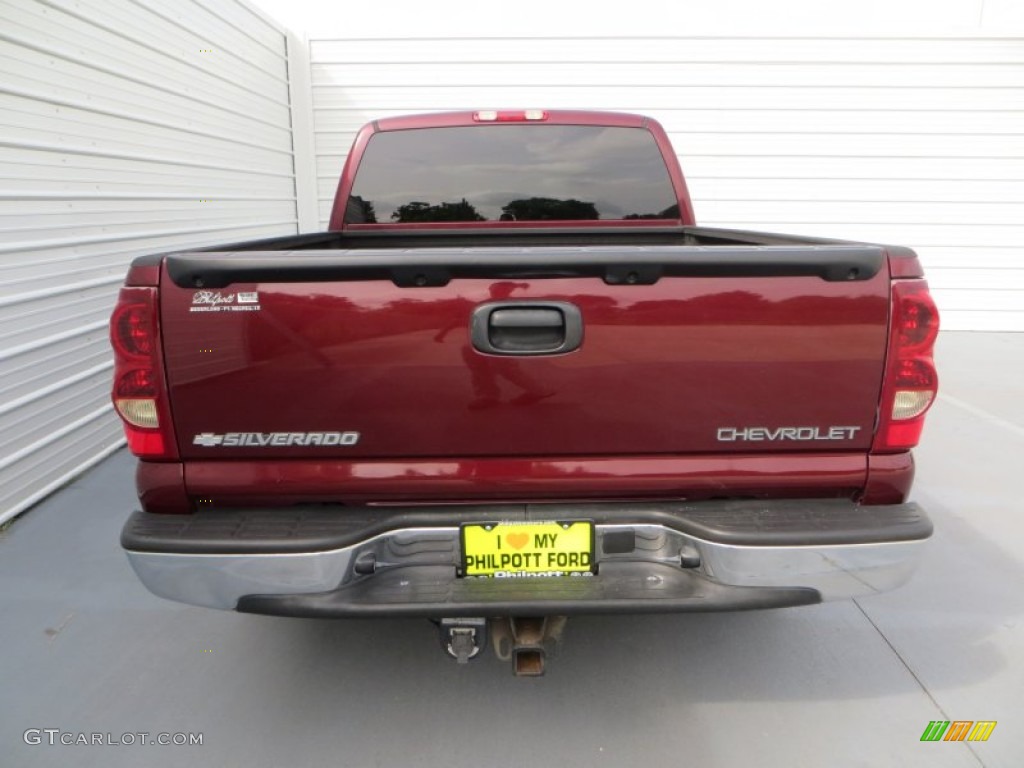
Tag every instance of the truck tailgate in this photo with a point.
(288, 360)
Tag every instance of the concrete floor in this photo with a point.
(84, 648)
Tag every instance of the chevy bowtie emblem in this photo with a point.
(207, 439)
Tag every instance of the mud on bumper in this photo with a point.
(651, 558)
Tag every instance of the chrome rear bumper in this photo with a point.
(678, 557)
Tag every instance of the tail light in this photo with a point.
(911, 382)
(139, 393)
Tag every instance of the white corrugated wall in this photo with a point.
(912, 140)
(126, 127)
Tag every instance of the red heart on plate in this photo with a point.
(518, 540)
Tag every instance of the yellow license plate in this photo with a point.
(511, 549)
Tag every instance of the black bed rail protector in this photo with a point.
(437, 266)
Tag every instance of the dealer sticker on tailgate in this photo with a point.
(527, 549)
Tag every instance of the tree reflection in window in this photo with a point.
(548, 208)
(419, 211)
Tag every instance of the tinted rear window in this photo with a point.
(511, 173)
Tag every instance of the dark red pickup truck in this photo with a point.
(513, 382)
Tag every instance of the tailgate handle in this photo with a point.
(527, 318)
(527, 328)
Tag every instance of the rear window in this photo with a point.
(511, 173)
